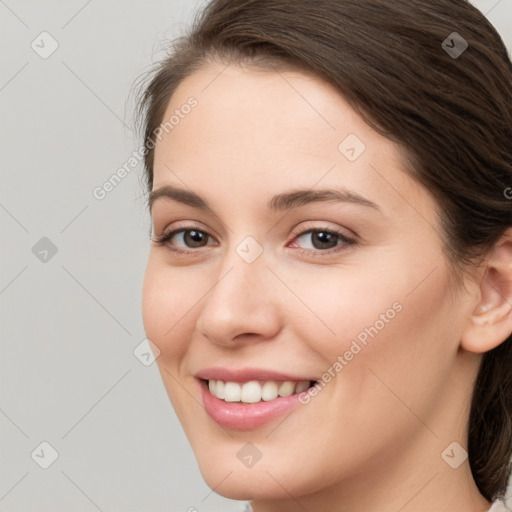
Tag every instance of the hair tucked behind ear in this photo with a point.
(452, 116)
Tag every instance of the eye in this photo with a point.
(191, 238)
(314, 241)
(182, 239)
(321, 240)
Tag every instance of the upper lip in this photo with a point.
(247, 374)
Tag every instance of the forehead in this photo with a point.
(243, 112)
(244, 98)
(264, 130)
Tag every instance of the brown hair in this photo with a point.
(451, 113)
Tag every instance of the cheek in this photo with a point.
(392, 319)
(168, 300)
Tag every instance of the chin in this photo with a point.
(246, 484)
(275, 476)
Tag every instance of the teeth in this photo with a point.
(286, 388)
(253, 391)
(269, 391)
(301, 386)
(232, 392)
(219, 390)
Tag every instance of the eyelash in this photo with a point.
(346, 241)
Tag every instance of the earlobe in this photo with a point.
(490, 323)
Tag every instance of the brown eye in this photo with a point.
(321, 239)
(180, 239)
(194, 238)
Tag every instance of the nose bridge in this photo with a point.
(240, 301)
(240, 284)
(243, 268)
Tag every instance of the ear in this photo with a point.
(491, 321)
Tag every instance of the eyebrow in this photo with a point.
(280, 202)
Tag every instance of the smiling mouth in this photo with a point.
(256, 391)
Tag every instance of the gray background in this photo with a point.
(70, 324)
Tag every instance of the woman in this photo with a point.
(330, 279)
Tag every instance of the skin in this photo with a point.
(372, 439)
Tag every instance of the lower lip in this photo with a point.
(241, 416)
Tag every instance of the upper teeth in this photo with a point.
(254, 391)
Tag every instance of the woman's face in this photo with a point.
(302, 252)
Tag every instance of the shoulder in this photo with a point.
(499, 506)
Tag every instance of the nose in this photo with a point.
(241, 306)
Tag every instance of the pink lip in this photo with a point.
(247, 374)
(239, 416)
